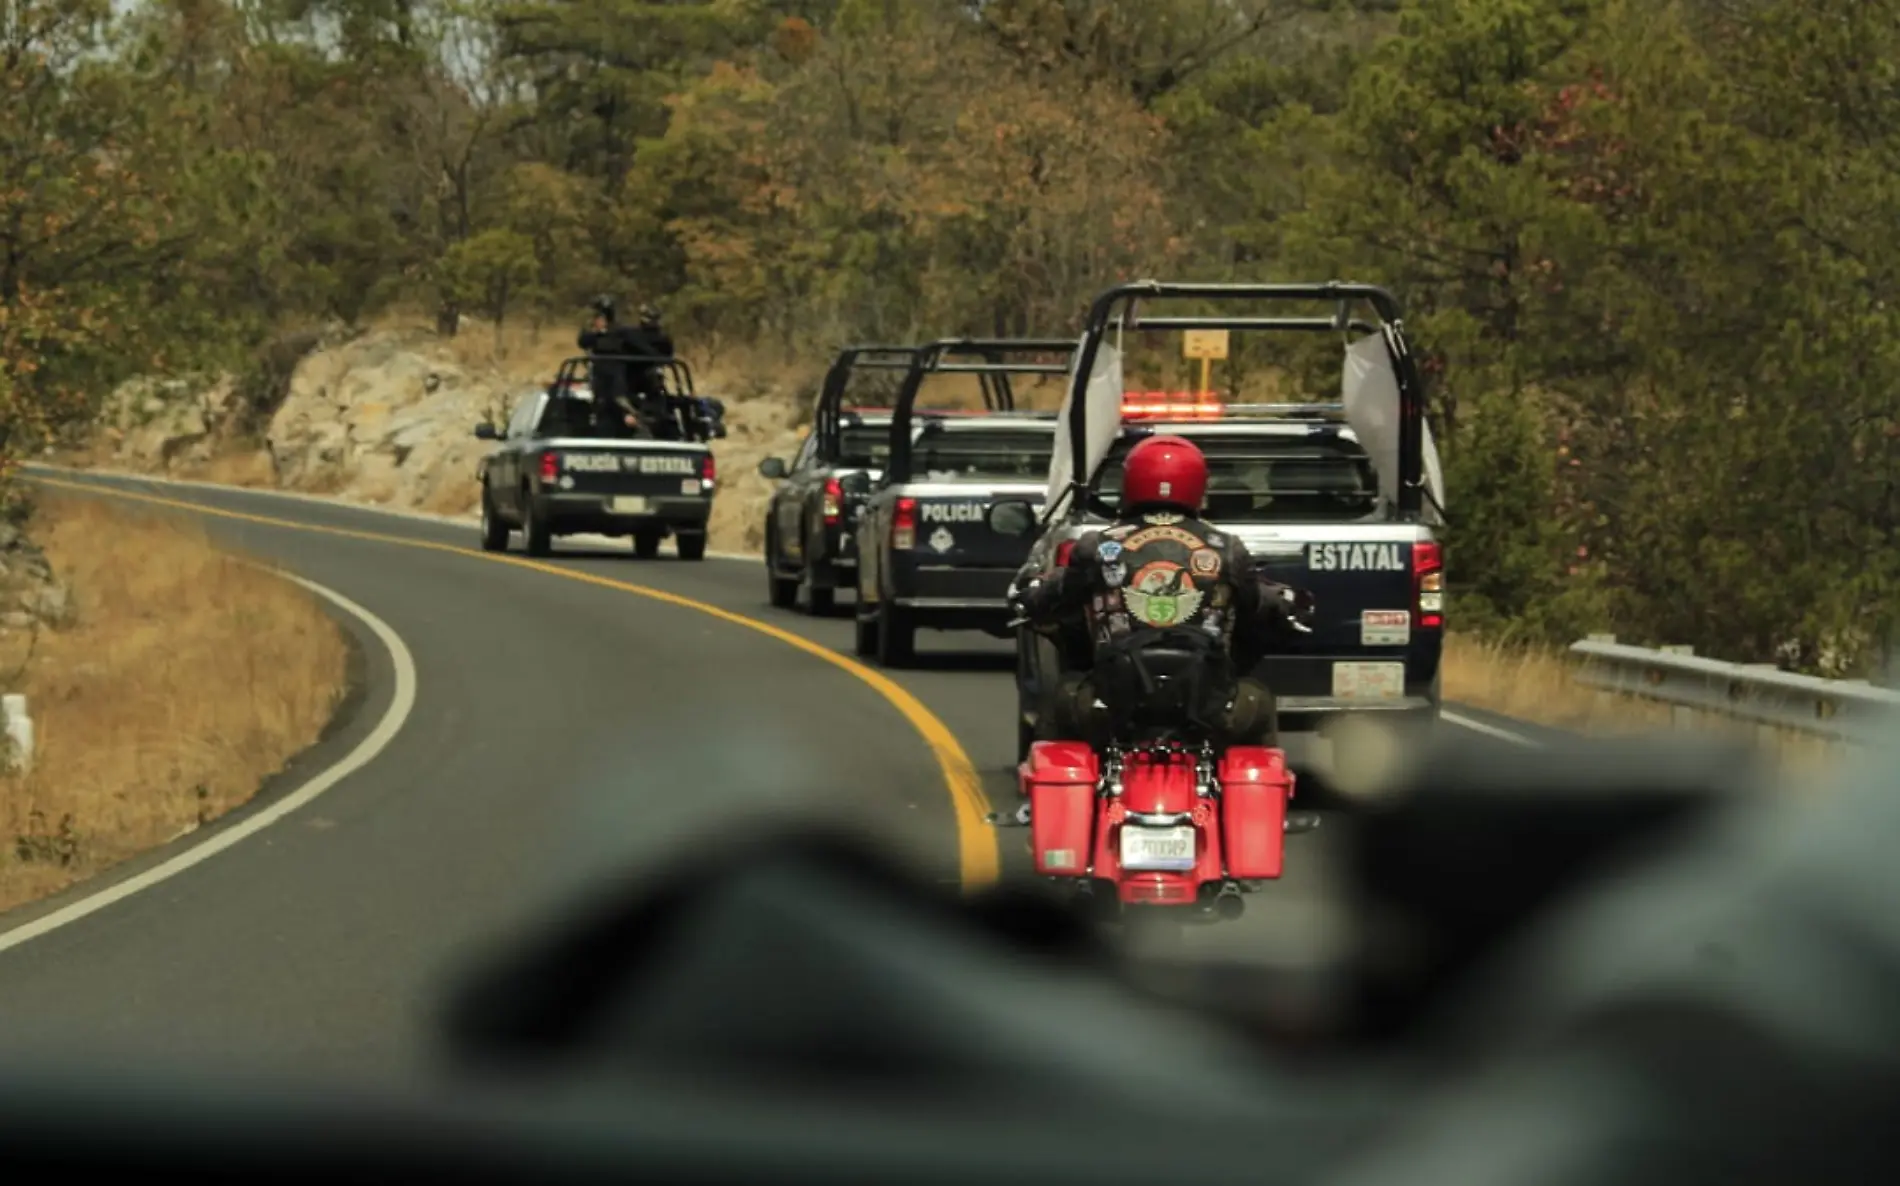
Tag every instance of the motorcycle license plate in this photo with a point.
(624, 505)
(1157, 849)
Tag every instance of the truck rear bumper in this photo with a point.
(595, 514)
(946, 598)
(1306, 714)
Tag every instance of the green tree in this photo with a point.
(491, 271)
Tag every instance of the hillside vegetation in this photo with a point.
(1644, 245)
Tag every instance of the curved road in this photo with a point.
(572, 719)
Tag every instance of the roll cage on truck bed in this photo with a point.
(927, 557)
(681, 400)
(561, 469)
(1377, 578)
(811, 519)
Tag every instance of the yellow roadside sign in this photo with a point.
(1204, 344)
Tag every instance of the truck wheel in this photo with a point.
(864, 643)
(781, 591)
(821, 601)
(691, 545)
(494, 529)
(896, 636)
(538, 532)
(646, 544)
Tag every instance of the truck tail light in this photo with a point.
(550, 466)
(708, 469)
(904, 525)
(834, 502)
(1428, 585)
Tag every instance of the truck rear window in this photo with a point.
(572, 416)
(864, 446)
(983, 453)
(1299, 481)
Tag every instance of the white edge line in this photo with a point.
(1464, 722)
(400, 706)
(329, 500)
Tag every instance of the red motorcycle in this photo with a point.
(1159, 817)
(1159, 823)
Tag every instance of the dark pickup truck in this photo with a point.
(927, 558)
(561, 470)
(1345, 511)
(811, 519)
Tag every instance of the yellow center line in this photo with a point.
(977, 856)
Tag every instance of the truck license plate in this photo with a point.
(629, 505)
(1368, 681)
(1157, 849)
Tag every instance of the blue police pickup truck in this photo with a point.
(1319, 505)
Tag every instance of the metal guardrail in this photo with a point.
(1845, 710)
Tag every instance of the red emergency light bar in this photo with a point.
(1170, 405)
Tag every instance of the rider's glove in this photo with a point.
(1300, 614)
(1026, 600)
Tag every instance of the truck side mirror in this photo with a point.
(1013, 518)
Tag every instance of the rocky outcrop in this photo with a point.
(756, 429)
(164, 423)
(31, 595)
(382, 421)
(388, 418)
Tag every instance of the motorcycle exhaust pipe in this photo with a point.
(1230, 906)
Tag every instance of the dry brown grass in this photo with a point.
(183, 680)
(1539, 685)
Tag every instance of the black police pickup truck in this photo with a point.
(927, 557)
(1297, 484)
(811, 519)
(560, 471)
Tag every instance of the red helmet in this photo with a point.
(1164, 471)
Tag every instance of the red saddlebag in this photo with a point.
(1255, 786)
(1059, 782)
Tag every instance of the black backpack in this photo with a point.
(1160, 683)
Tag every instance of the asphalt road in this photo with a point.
(565, 727)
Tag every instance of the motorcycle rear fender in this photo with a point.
(1153, 784)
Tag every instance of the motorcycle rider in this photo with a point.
(1161, 578)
